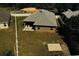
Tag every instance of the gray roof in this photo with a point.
(43, 17)
(75, 13)
(70, 13)
(4, 17)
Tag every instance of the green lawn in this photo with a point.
(7, 40)
(35, 43)
(7, 36)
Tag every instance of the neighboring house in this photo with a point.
(65, 16)
(68, 14)
(43, 20)
(4, 20)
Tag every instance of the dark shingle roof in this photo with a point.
(43, 17)
(4, 17)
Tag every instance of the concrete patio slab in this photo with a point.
(54, 47)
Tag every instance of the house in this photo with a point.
(4, 20)
(43, 20)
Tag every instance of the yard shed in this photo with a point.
(65, 16)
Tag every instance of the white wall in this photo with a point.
(3, 27)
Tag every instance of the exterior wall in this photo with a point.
(45, 29)
(2, 26)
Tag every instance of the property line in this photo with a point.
(16, 36)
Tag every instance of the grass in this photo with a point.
(7, 40)
(35, 43)
(7, 36)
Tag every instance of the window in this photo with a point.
(51, 28)
(4, 24)
(38, 27)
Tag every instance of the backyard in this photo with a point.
(35, 43)
(29, 43)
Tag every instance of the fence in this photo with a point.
(19, 14)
